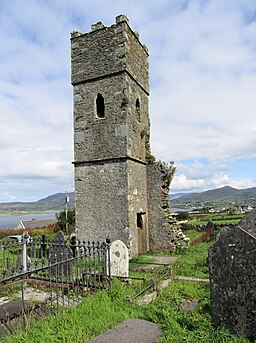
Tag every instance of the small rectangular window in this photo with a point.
(100, 106)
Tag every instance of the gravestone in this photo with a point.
(232, 281)
(119, 259)
(22, 267)
(248, 223)
(58, 252)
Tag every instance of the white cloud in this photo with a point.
(202, 103)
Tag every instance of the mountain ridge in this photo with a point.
(55, 201)
(224, 194)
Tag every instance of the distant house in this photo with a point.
(235, 210)
(35, 223)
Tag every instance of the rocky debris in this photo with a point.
(178, 239)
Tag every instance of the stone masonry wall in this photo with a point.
(101, 201)
(110, 151)
(116, 191)
(160, 234)
(99, 138)
(110, 61)
(138, 131)
(137, 202)
(108, 50)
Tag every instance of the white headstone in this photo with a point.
(119, 259)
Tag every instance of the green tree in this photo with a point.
(61, 220)
(182, 216)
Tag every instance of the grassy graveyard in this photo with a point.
(183, 309)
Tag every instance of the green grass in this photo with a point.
(104, 310)
(79, 324)
(193, 261)
(217, 222)
(193, 234)
(190, 326)
(218, 219)
(139, 260)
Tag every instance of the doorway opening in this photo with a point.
(142, 232)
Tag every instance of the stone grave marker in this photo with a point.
(248, 223)
(119, 259)
(232, 270)
(22, 267)
(59, 251)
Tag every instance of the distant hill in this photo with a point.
(177, 195)
(52, 202)
(223, 195)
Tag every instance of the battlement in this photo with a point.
(109, 50)
(119, 19)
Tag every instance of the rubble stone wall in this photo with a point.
(163, 236)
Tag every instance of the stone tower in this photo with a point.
(111, 134)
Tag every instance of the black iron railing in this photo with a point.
(66, 271)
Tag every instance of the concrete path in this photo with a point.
(131, 331)
(163, 259)
(188, 278)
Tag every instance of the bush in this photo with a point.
(182, 216)
(61, 220)
(32, 232)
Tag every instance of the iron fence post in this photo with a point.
(108, 258)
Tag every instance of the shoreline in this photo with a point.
(24, 212)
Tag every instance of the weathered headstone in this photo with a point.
(248, 223)
(22, 267)
(119, 259)
(58, 252)
(232, 281)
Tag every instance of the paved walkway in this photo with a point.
(188, 278)
(131, 331)
(163, 259)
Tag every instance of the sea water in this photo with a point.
(11, 222)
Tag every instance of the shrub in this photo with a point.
(61, 220)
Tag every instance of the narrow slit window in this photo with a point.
(137, 106)
(100, 106)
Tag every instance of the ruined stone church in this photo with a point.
(120, 191)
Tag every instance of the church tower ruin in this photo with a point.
(111, 134)
(120, 191)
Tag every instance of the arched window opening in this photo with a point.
(137, 106)
(100, 106)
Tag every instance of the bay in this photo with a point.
(176, 209)
(11, 222)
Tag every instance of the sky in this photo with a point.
(202, 90)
